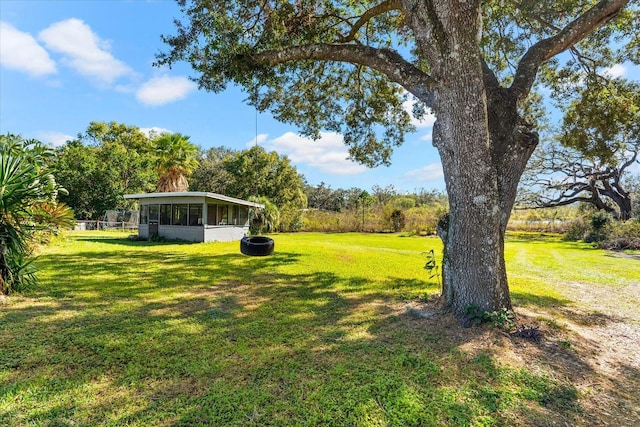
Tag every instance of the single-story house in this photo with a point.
(193, 216)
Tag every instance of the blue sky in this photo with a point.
(66, 63)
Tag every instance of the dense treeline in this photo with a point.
(101, 165)
(109, 160)
(382, 210)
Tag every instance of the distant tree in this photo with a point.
(363, 201)
(564, 176)
(398, 220)
(382, 196)
(589, 158)
(632, 183)
(323, 197)
(105, 162)
(256, 172)
(175, 159)
(351, 197)
(404, 203)
(431, 197)
(210, 175)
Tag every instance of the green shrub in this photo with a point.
(397, 220)
(600, 228)
(621, 235)
(28, 194)
(591, 228)
(423, 220)
(577, 230)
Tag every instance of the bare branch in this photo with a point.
(559, 177)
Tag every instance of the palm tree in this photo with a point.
(175, 158)
(264, 219)
(25, 184)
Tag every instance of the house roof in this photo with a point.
(214, 196)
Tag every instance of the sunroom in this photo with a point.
(193, 216)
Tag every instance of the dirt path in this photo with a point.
(595, 342)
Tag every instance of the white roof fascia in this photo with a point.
(215, 196)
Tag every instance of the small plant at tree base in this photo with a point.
(503, 318)
(474, 314)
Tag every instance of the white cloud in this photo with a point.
(617, 70)
(430, 172)
(328, 154)
(20, 51)
(165, 89)
(54, 138)
(84, 51)
(259, 139)
(154, 130)
(427, 137)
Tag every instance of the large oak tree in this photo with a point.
(348, 66)
(588, 159)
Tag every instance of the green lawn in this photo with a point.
(145, 334)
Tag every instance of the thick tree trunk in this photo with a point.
(474, 271)
(484, 147)
(483, 170)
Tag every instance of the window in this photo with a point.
(165, 214)
(179, 215)
(144, 214)
(243, 215)
(211, 214)
(233, 214)
(223, 217)
(153, 213)
(195, 214)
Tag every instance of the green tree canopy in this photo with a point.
(210, 174)
(323, 197)
(105, 162)
(603, 120)
(256, 172)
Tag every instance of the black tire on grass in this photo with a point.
(256, 246)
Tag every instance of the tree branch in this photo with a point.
(385, 61)
(385, 6)
(598, 15)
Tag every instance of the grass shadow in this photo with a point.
(542, 301)
(178, 338)
(133, 242)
